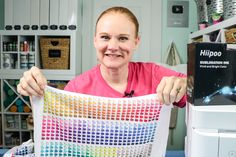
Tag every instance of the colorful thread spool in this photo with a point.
(11, 82)
(6, 87)
(13, 108)
(8, 100)
(19, 104)
(26, 109)
(10, 92)
(17, 82)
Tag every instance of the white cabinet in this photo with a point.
(8, 12)
(29, 13)
(43, 12)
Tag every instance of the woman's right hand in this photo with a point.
(32, 83)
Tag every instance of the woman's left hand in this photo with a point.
(171, 89)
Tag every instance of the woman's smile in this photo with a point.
(113, 55)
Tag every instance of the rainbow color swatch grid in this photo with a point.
(77, 125)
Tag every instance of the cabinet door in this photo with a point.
(21, 12)
(34, 12)
(54, 12)
(148, 13)
(44, 12)
(8, 11)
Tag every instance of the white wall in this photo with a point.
(178, 34)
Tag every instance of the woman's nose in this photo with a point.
(113, 44)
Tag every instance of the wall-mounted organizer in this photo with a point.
(57, 53)
(16, 112)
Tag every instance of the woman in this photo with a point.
(116, 38)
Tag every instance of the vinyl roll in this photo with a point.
(13, 108)
(26, 109)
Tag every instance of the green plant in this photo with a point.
(216, 16)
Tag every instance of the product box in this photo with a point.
(211, 73)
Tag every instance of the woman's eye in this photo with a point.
(104, 37)
(123, 38)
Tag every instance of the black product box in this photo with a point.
(211, 74)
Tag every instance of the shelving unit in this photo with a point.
(17, 56)
(19, 51)
(15, 52)
(15, 111)
(214, 33)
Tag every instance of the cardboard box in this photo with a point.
(211, 74)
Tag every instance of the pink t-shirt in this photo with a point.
(143, 79)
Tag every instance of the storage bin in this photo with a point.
(229, 7)
(201, 10)
(230, 35)
(55, 53)
(214, 6)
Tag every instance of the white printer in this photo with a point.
(211, 91)
(211, 131)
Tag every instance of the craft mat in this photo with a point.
(78, 125)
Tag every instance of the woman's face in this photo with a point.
(115, 40)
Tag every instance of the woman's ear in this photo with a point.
(137, 42)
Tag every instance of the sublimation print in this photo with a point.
(79, 125)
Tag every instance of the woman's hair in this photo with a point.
(122, 10)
